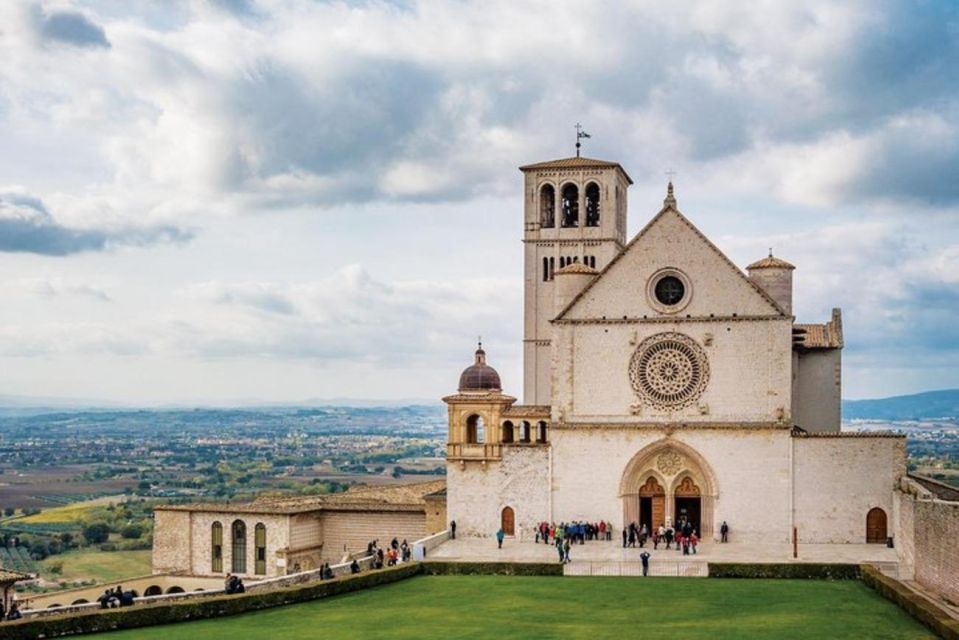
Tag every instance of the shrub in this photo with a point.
(793, 571)
(96, 533)
(131, 531)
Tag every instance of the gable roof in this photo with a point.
(669, 205)
(576, 162)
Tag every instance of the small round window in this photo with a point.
(670, 290)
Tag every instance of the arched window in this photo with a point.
(552, 267)
(524, 432)
(259, 542)
(547, 206)
(216, 547)
(475, 430)
(541, 431)
(592, 261)
(592, 205)
(239, 546)
(570, 206)
(507, 432)
(545, 269)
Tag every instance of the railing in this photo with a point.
(657, 568)
(465, 451)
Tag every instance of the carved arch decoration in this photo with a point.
(668, 459)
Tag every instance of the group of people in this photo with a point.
(574, 531)
(683, 535)
(116, 597)
(233, 584)
(394, 554)
(12, 614)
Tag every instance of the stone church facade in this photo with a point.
(661, 381)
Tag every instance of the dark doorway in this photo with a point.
(876, 526)
(688, 509)
(508, 521)
(646, 513)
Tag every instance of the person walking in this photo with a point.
(566, 546)
(500, 534)
(693, 541)
(453, 529)
(644, 556)
(724, 531)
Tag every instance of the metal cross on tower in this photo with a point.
(579, 135)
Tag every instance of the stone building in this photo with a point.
(661, 382)
(274, 536)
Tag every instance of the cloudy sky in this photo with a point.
(264, 200)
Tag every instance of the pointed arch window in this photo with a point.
(592, 205)
(571, 206)
(547, 206)
(238, 531)
(216, 547)
(259, 541)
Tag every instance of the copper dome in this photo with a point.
(480, 376)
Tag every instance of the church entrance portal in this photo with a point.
(688, 504)
(652, 504)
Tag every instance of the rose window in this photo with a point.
(669, 371)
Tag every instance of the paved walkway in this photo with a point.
(597, 553)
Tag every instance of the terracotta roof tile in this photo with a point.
(770, 262)
(576, 162)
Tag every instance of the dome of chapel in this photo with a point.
(480, 376)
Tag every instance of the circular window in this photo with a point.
(670, 290)
(669, 371)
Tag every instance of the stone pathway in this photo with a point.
(609, 558)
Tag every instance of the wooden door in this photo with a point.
(508, 521)
(876, 526)
(652, 489)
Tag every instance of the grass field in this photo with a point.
(102, 566)
(71, 513)
(475, 607)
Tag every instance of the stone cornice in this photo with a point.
(567, 241)
(673, 427)
(667, 319)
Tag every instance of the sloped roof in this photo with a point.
(404, 497)
(819, 336)
(669, 205)
(576, 162)
(770, 262)
(13, 576)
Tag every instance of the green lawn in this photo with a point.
(446, 607)
(102, 566)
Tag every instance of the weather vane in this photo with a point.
(580, 134)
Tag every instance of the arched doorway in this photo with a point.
(876, 526)
(153, 590)
(508, 521)
(652, 504)
(688, 479)
(688, 506)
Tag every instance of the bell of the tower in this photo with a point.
(574, 212)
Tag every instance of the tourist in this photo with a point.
(625, 537)
(566, 546)
(693, 541)
(724, 531)
(453, 529)
(669, 536)
(644, 556)
(407, 551)
(354, 567)
(14, 613)
(632, 535)
(602, 530)
(500, 534)
(379, 558)
(685, 546)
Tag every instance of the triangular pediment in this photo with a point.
(670, 242)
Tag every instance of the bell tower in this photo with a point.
(574, 212)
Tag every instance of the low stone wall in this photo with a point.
(918, 606)
(164, 610)
(936, 558)
(421, 548)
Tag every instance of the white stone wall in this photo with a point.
(171, 541)
(478, 492)
(839, 479)
(277, 537)
(817, 390)
(751, 469)
(749, 379)
(350, 531)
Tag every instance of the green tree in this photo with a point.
(131, 531)
(96, 533)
